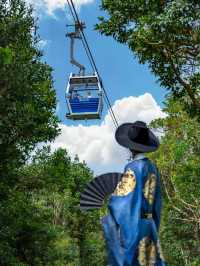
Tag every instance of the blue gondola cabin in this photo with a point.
(84, 97)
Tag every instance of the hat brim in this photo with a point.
(123, 139)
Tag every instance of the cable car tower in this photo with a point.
(84, 95)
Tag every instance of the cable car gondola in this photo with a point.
(84, 97)
(79, 105)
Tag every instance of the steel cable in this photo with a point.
(91, 59)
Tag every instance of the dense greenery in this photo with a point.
(164, 34)
(27, 98)
(179, 162)
(42, 223)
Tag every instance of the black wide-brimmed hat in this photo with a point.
(137, 136)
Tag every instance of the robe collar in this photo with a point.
(139, 156)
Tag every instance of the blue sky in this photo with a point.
(122, 74)
(132, 89)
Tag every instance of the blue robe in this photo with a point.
(131, 227)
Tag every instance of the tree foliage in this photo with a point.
(42, 223)
(164, 34)
(179, 162)
(27, 97)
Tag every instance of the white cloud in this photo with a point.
(50, 6)
(96, 144)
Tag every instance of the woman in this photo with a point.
(131, 228)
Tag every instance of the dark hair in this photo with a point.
(134, 152)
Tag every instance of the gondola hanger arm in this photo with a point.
(73, 36)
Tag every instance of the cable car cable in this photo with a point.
(71, 11)
(91, 59)
(95, 67)
(89, 54)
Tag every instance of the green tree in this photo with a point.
(48, 228)
(166, 36)
(27, 97)
(178, 160)
(27, 116)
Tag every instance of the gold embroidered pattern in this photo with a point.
(126, 185)
(160, 250)
(147, 252)
(149, 188)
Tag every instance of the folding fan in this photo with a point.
(98, 189)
